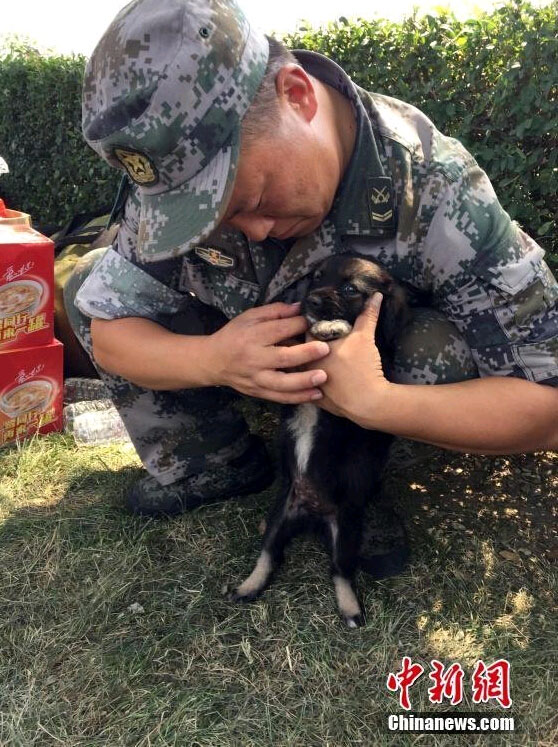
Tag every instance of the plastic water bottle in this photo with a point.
(78, 389)
(74, 410)
(94, 423)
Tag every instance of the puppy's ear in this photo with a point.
(394, 315)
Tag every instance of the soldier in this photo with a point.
(250, 165)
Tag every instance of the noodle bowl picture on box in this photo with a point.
(26, 283)
(30, 391)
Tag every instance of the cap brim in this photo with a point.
(173, 222)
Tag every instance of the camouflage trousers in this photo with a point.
(180, 433)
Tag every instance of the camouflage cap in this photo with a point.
(164, 94)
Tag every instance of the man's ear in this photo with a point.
(394, 315)
(295, 88)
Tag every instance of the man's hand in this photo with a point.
(493, 415)
(247, 355)
(354, 367)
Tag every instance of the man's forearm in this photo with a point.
(148, 355)
(494, 415)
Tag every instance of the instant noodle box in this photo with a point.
(26, 283)
(31, 390)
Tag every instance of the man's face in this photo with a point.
(285, 183)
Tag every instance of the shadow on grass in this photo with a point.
(114, 629)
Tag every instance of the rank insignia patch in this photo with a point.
(139, 167)
(214, 257)
(381, 202)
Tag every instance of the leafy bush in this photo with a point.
(490, 81)
(53, 173)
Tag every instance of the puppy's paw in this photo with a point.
(354, 621)
(236, 595)
(330, 330)
(347, 602)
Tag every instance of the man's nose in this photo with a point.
(255, 227)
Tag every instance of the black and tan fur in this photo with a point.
(332, 467)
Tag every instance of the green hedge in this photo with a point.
(53, 173)
(490, 81)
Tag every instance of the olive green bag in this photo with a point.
(79, 236)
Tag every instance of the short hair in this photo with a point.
(263, 113)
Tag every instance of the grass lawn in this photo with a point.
(114, 630)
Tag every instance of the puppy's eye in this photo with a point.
(348, 289)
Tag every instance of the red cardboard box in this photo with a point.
(26, 283)
(31, 389)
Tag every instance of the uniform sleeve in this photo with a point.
(118, 286)
(491, 280)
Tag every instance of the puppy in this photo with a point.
(332, 467)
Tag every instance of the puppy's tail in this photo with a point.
(385, 548)
(388, 564)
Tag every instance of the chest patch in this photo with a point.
(215, 257)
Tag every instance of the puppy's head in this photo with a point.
(338, 291)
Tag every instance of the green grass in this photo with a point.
(78, 667)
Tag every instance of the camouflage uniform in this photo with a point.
(411, 198)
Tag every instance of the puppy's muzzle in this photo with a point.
(314, 304)
(316, 307)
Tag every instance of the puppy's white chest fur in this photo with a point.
(303, 426)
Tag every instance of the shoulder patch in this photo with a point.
(380, 201)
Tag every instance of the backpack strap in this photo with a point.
(118, 206)
(78, 230)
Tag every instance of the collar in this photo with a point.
(363, 204)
